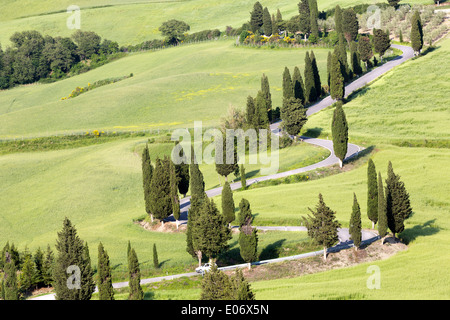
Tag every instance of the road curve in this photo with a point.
(345, 242)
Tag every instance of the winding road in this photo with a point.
(353, 150)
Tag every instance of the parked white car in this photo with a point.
(204, 268)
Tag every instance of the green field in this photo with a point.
(170, 88)
(138, 20)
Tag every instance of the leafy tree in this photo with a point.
(382, 217)
(160, 193)
(350, 25)
(227, 204)
(267, 22)
(372, 193)
(294, 116)
(398, 206)
(174, 30)
(134, 277)
(381, 42)
(60, 54)
(299, 87)
(10, 290)
(88, 43)
(365, 49)
(322, 226)
(304, 18)
(147, 174)
(416, 32)
(155, 257)
(355, 223)
(337, 81)
(339, 129)
(72, 251)
(256, 17)
(310, 89)
(104, 284)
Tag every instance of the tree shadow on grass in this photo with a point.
(429, 228)
(149, 295)
(272, 251)
(313, 132)
(359, 155)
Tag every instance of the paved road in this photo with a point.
(344, 242)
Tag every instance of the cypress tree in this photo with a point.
(174, 192)
(314, 15)
(299, 87)
(160, 189)
(38, 277)
(398, 206)
(240, 287)
(341, 52)
(293, 115)
(365, 49)
(147, 173)
(212, 234)
(182, 175)
(315, 69)
(227, 204)
(155, 257)
(104, 284)
(355, 223)
(322, 226)
(267, 22)
(265, 89)
(134, 277)
(216, 285)
(26, 276)
(262, 112)
(304, 18)
(248, 242)
(224, 167)
(245, 213)
(72, 252)
(338, 19)
(274, 26)
(279, 16)
(310, 90)
(382, 217)
(329, 57)
(416, 36)
(47, 267)
(381, 42)
(337, 80)
(400, 36)
(250, 112)
(243, 178)
(372, 193)
(288, 88)
(350, 25)
(339, 129)
(10, 290)
(256, 17)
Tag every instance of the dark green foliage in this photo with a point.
(355, 59)
(160, 193)
(299, 87)
(155, 257)
(182, 173)
(365, 49)
(315, 69)
(88, 43)
(329, 57)
(322, 225)
(216, 285)
(47, 267)
(147, 173)
(339, 130)
(10, 290)
(310, 89)
(226, 153)
(256, 17)
(227, 204)
(350, 25)
(60, 54)
(400, 36)
(372, 193)
(305, 17)
(174, 191)
(241, 288)
(274, 25)
(250, 112)
(38, 268)
(314, 15)
(267, 22)
(174, 30)
(294, 116)
(288, 88)
(416, 32)
(245, 213)
(248, 242)
(243, 178)
(381, 42)
(72, 252)
(355, 223)
(104, 283)
(134, 277)
(28, 270)
(393, 3)
(262, 107)
(398, 206)
(337, 80)
(265, 89)
(341, 52)
(382, 217)
(211, 233)
(338, 19)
